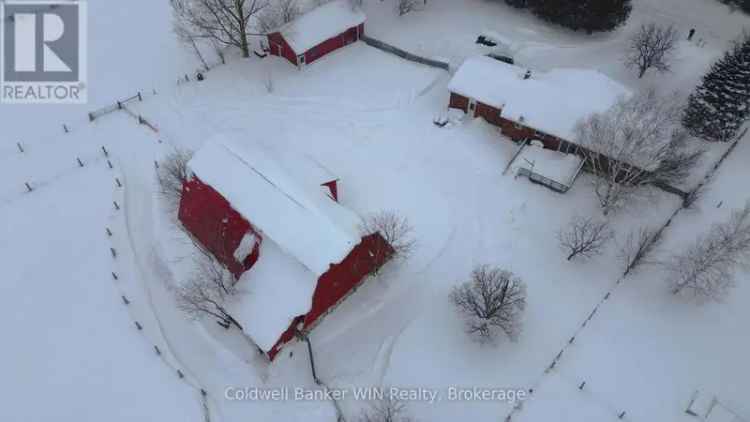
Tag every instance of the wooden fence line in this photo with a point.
(118, 105)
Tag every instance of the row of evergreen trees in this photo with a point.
(743, 5)
(588, 15)
(721, 103)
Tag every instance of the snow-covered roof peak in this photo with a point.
(320, 24)
(552, 102)
(293, 213)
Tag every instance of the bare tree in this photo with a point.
(227, 22)
(637, 142)
(651, 47)
(584, 237)
(172, 174)
(638, 245)
(186, 37)
(494, 299)
(206, 291)
(395, 229)
(695, 195)
(277, 14)
(387, 409)
(706, 268)
(407, 6)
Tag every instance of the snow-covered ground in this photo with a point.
(72, 350)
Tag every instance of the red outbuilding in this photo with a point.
(318, 32)
(274, 220)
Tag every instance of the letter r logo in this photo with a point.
(41, 41)
(43, 51)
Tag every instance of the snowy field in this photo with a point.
(73, 352)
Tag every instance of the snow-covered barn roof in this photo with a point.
(552, 102)
(320, 24)
(293, 212)
(275, 290)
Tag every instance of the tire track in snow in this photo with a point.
(144, 276)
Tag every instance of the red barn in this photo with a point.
(532, 105)
(273, 219)
(318, 32)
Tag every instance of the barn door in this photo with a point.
(472, 108)
(301, 60)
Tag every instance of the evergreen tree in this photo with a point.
(604, 15)
(521, 4)
(719, 106)
(743, 5)
(589, 15)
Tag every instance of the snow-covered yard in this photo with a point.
(72, 350)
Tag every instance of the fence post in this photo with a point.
(139, 96)
(20, 148)
(119, 105)
(28, 186)
(91, 117)
(117, 179)
(109, 164)
(65, 128)
(80, 163)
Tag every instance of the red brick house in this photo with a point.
(532, 105)
(318, 32)
(275, 221)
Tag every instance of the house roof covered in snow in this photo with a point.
(295, 214)
(320, 24)
(552, 102)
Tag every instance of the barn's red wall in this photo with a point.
(216, 225)
(285, 338)
(459, 101)
(279, 47)
(345, 38)
(369, 255)
(339, 281)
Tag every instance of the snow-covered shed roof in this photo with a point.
(278, 289)
(554, 165)
(320, 24)
(296, 214)
(552, 102)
